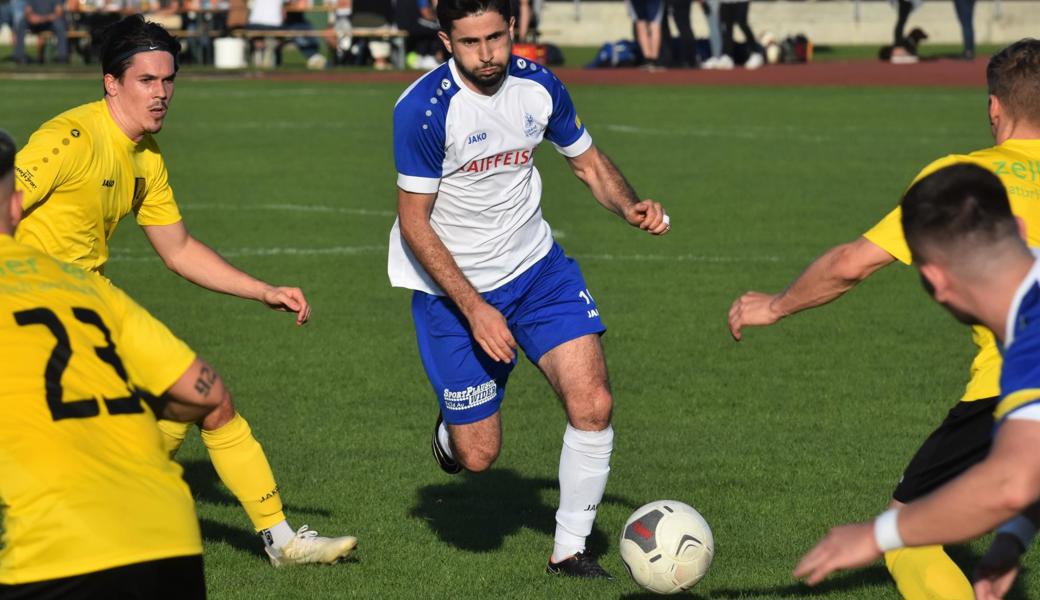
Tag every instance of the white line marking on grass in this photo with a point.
(136, 256)
(141, 255)
(319, 208)
(701, 258)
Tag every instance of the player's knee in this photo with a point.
(592, 412)
(478, 459)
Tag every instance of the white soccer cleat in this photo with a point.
(309, 547)
(754, 61)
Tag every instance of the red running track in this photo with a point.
(941, 72)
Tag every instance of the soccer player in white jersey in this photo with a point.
(966, 243)
(471, 241)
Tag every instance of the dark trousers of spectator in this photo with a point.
(966, 15)
(679, 11)
(735, 14)
(57, 26)
(905, 7)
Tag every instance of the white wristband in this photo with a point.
(1022, 528)
(886, 530)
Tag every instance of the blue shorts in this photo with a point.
(546, 306)
(646, 10)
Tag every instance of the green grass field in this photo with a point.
(798, 427)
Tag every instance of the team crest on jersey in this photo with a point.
(530, 127)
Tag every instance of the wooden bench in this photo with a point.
(395, 36)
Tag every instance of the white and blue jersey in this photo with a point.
(476, 153)
(1020, 375)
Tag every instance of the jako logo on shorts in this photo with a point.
(471, 396)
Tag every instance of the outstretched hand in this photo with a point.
(649, 216)
(844, 547)
(753, 308)
(288, 299)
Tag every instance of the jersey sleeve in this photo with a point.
(419, 134)
(1020, 376)
(888, 232)
(565, 129)
(157, 206)
(57, 154)
(154, 357)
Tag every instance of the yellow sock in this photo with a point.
(927, 573)
(242, 466)
(173, 435)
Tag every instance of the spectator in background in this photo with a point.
(373, 13)
(683, 54)
(11, 12)
(904, 8)
(40, 16)
(423, 47)
(718, 60)
(527, 12)
(646, 17)
(272, 15)
(734, 13)
(94, 16)
(966, 15)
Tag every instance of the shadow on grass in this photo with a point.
(966, 558)
(476, 512)
(206, 487)
(851, 581)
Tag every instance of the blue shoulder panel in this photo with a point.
(565, 127)
(419, 124)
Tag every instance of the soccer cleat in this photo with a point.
(755, 61)
(448, 464)
(309, 547)
(579, 565)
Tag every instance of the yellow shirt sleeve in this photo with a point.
(158, 206)
(57, 154)
(154, 357)
(888, 233)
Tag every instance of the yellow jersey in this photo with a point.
(80, 175)
(84, 482)
(1017, 164)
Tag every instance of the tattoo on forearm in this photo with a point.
(207, 379)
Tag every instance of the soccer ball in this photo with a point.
(666, 546)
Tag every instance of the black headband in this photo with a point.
(119, 59)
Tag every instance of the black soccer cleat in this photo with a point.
(448, 464)
(579, 565)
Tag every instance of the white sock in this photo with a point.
(277, 536)
(584, 467)
(445, 440)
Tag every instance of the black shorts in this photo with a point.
(167, 579)
(962, 440)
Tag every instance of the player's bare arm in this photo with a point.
(954, 513)
(828, 277)
(201, 265)
(198, 395)
(487, 323)
(612, 190)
